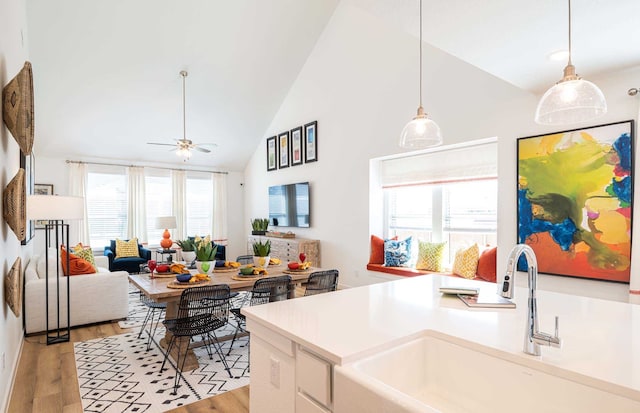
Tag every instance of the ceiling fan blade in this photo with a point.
(207, 144)
(197, 148)
(161, 144)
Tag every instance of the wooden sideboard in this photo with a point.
(288, 249)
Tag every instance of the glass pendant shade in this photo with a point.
(421, 132)
(571, 101)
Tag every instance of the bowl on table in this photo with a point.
(246, 270)
(183, 278)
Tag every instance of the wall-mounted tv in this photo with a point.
(289, 205)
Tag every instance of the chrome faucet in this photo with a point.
(533, 338)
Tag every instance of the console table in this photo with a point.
(288, 249)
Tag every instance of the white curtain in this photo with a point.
(137, 222)
(78, 175)
(219, 222)
(179, 203)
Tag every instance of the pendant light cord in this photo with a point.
(421, 53)
(569, 32)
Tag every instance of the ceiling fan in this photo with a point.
(184, 146)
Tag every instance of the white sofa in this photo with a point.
(102, 296)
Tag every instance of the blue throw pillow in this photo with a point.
(397, 253)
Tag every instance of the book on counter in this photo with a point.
(459, 290)
(487, 300)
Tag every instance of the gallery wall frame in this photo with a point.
(311, 142)
(283, 150)
(296, 146)
(27, 162)
(272, 154)
(575, 200)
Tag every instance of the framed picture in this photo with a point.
(575, 201)
(272, 154)
(43, 189)
(311, 142)
(283, 150)
(27, 162)
(296, 146)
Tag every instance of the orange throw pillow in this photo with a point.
(377, 250)
(77, 265)
(487, 265)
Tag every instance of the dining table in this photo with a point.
(159, 288)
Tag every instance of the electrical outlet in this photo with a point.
(275, 372)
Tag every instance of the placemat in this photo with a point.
(245, 278)
(307, 271)
(225, 269)
(164, 274)
(178, 285)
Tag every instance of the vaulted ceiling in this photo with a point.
(106, 73)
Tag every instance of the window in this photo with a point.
(459, 213)
(158, 196)
(200, 205)
(106, 206)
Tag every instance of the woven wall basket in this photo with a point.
(14, 205)
(17, 108)
(13, 287)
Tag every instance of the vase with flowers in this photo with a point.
(205, 254)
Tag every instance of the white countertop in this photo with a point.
(601, 339)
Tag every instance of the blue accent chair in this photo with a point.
(129, 264)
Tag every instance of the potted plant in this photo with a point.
(205, 254)
(188, 247)
(259, 226)
(261, 252)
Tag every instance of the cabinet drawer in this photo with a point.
(313, 376)
(306, 405)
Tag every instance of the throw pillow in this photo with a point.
(86, 253)
(77, 265)
(487, 264)
(127, 248)
(466, 262)
(377, 250)
(430, 255)
(397, 253)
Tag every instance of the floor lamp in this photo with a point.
(55, 210)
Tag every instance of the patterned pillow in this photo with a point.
(430, 255)
(397, 253)
(85, 253)
(466, 261)
(377, 250)
(77, 265)
(127, 248)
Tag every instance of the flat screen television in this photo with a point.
(289, 205)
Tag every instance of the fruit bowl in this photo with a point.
(293, 265)
(183, 278)
(246, 270)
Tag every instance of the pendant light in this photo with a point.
(572, 99)
(420, 132)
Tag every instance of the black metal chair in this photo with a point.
(245, 259)
(201, 311)
(321, 282)
(265, 290)
(153, 307)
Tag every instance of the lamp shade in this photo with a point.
(55, 207)
(571, 101)
(421, 132)
(166, 222)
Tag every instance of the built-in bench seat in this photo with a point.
(410, 272)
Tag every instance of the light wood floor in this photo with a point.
(46, 379)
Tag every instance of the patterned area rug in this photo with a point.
(118, 374)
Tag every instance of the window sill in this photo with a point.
(410, 272)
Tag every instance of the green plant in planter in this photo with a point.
(187, 245)
(262, 249)
(205, 251)
(260, 224)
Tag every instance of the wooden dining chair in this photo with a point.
(201, 311)
(321, 282)
(265, 290)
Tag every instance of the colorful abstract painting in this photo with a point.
(575, 199)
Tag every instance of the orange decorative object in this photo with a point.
(166, 241)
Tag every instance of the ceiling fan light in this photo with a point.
(184, 153)
(570, 101)
(421, 132)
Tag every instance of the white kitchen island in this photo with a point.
(297, 344)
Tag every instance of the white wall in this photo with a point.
(360, 83)
(13, 53)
